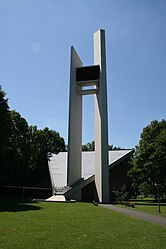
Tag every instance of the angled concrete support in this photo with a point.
(75, 124)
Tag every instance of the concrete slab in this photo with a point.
(57, 198)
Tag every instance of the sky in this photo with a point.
(35, 42)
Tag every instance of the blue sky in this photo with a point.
(35, 42)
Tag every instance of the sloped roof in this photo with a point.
(58, 165)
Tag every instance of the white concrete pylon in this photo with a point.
(87, 77)
(101, 121)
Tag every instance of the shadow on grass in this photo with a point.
(17, 205)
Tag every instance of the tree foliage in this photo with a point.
(91, 147)
(43, 144)
(148, 169)
(24, 149)
(5, 135)
(121, 194)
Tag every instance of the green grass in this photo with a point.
(151, 209)
(44, 225)
(147, 208)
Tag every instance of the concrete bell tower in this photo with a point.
(82, 77)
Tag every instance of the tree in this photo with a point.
(111, 147)
(19, 148)
(5, 135)
(121, 194)
(148, 168)
(24, 150)
(91, 147)
(43, 144)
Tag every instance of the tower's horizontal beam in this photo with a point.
(88, 83)
(87, 92)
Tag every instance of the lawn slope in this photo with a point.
(41, 225)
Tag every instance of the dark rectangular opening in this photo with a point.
(89, 73)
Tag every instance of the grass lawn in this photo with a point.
(44, 225)
(151, 209)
